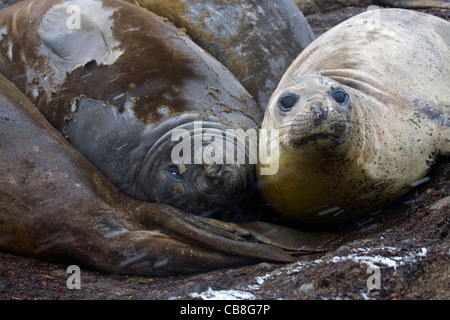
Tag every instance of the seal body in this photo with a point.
(127, 88)
(361, 115)
(55, 205)
(256, 40)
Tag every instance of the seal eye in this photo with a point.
(287, 101)
(340, 96)
(174, 171)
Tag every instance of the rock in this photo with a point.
(313, 6)
(306, 287)
(308, 7)
(438, 205)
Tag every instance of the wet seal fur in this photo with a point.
(118, 87)
(55, 205)
(256, 40)
(362, 114)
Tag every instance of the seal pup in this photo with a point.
(127, 89)
(359, 117)
(256, 40)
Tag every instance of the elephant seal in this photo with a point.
(256, 40)
(55, 205)
(361, 115)
(127, 89)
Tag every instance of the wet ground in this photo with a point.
(401, 253)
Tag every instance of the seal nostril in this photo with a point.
(214, 174)
(319, 114)
(219, 179)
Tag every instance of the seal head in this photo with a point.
(183, 161)
(320, 142)
(195, 173)
(314, 112)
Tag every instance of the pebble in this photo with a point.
(306, 287)
(440, 203)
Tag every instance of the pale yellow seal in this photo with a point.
(361, 115)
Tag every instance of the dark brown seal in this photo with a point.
(55, 205)
(125, 87)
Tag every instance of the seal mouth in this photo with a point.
(336, 140)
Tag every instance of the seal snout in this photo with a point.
(224, 178)
(319, 114)
(316, 122)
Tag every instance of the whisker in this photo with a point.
(284, 126)
(355, 132)
(297, 82)
(320, 77)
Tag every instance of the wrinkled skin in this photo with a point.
(117, 88)
(56, 205)
(359, 125)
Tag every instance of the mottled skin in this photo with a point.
(118, 85)
(362, 113)
(56, 205)
(256, 40)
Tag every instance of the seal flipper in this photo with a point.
(198, 231)
(292, 240)
(148, 253)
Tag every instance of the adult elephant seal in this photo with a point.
(256, 40)
(361, 116)
(55, 205)
(139, 99)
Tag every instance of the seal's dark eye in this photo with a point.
(174, 171)
(287, 101)
(340, 96)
